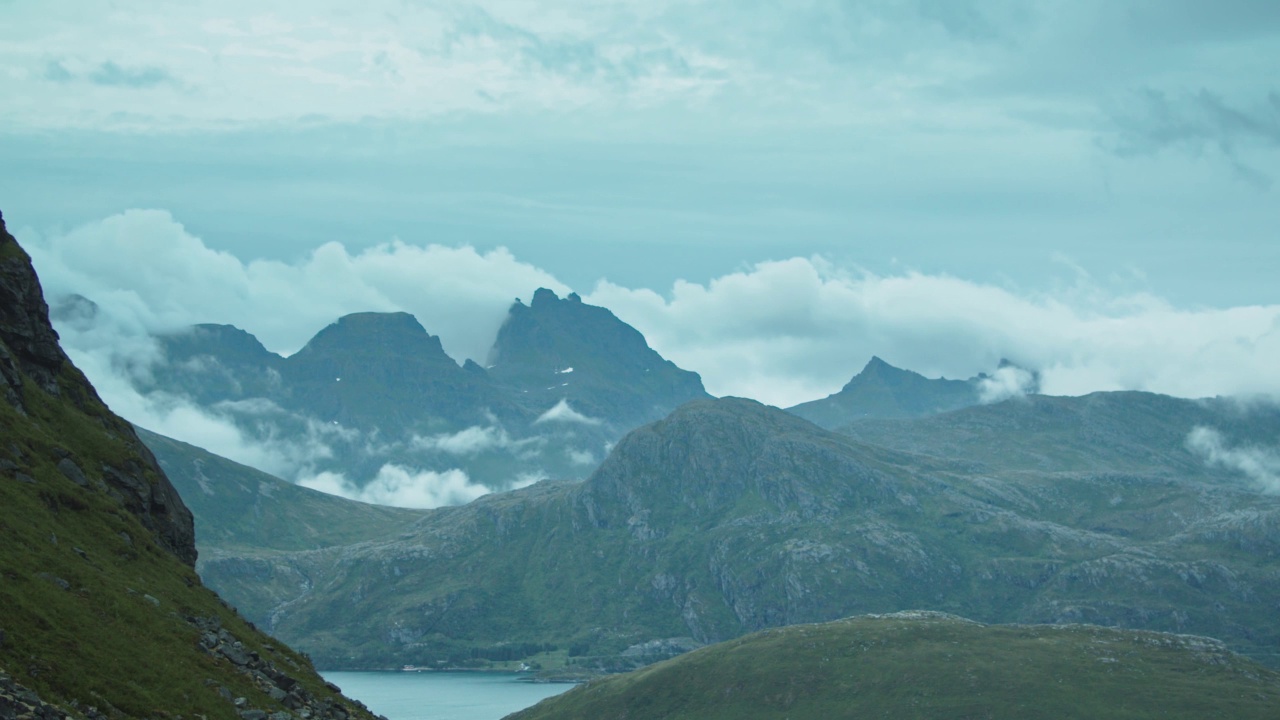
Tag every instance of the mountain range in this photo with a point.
(729, 517)
(714, 521)
(371, 391)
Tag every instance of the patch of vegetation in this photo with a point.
(915, 665)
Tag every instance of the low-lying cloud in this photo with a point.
(782, 332)
(1260, 465)
(793, 330)
(1006, 382)
(562, 412)
(471, 441)
(399, 486)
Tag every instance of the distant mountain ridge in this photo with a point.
(373, 389)
(882, 391)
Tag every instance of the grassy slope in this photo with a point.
(913, 666)
(238, 507)
(687, 531)
(93, 611)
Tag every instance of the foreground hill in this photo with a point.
(924, 665)
(101, 612)
(728, 517)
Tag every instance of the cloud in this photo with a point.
(1006, 382)
(788, 331)
(143, 268)
(562, 412)
(400, 486)
(471, 441)
(1154, 120)
(580, 457)
(113, 75)
(1260, 465)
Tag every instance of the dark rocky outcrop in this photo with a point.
(555, 349)
(29, 352)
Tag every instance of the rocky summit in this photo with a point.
(565, 349)
(101, 612)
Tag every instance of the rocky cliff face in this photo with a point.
(30, 354)
(557, 349)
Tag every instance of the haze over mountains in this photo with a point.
(373, 408)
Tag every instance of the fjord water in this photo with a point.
(442, 695)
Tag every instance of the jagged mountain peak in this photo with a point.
(564, 349)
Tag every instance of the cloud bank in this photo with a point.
(793, 330)
(1260, 465)
(782, 332)
(405, 487)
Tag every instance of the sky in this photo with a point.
(771, 192)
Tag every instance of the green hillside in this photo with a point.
(239, 508)
(101, 611)
(728, 517)
(921, 665)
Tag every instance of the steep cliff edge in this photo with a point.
(101, 612)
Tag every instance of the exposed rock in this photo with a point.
(20, 703)
(29, 351)
(72, 472)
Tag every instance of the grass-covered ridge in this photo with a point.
(926, 665)
(99, 604)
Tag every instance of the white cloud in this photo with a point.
(471, 441)
(400, 486)
(209, 65)
(562, 412)
(1260, 465)
(781, 332)
(149, 274)
(1006, 382)
(794, 330)
(580, 457)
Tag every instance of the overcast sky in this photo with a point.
(771, 192)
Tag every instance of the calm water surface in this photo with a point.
(442, 695)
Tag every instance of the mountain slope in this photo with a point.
(728, 517)
(1101, 432)
(101, 612)
(922, 665)
(237, 507)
